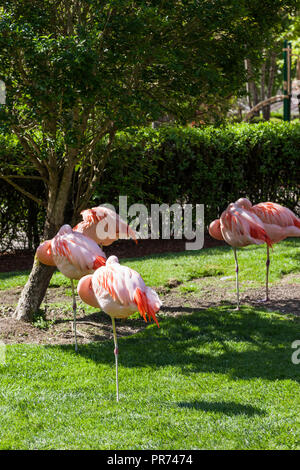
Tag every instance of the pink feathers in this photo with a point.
(242, 224)
(265, 222)
(239, 227)
(104, 226)
(279, 222)
(74, 254)
(120, 291)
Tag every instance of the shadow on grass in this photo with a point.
(246, 344)
(229, 408)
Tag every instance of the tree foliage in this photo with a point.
(77, 71)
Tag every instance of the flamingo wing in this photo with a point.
(241, 228)
(127, 288)
(273, 213)
(84, 254)
(107, 218)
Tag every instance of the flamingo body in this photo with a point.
(270, 222)
(104, 226)
(74, 254)
(119, 291)
(241, 228)
(279, 221)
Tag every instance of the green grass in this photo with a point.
(157, 270)
(212, 262)
(209, 379)
(213, 379)
(18, 279)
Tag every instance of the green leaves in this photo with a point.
(131, 61)
(208, 165)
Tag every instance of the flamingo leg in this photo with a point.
(116, 352)
(267, 274)
(74, 314)
(237, 279)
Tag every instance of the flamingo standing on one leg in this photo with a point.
(239, 227)
(74, 255)
(104, 226)
(119, 291)
(279, 223)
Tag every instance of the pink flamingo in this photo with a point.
(104, 226)
(74, 255)
(239, 227)
(279, 223)
(119, 291)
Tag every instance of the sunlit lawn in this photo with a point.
(213, 262)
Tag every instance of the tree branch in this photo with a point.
(84, 199)
(34, 160)
(31, 177)
(23, 191)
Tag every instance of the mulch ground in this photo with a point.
(285, 298)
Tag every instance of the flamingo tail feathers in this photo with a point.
(257, 232)
(145, 306)
(297, 222)
(99, 261)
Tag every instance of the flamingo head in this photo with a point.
(215, 230)
(65, 229)
(93, 215)
(86, 292)
(244, 203)
(44, 253)
(112, 259)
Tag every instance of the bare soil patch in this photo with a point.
(284, 295)
(58, 326)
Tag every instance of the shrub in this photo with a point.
(208, 165)
(205, 165)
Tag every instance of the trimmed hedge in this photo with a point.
(208, 165)
(213, 166)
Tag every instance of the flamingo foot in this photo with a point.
(236, 309)
(261, 301)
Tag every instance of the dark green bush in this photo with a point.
(209, 165)
(213, 166)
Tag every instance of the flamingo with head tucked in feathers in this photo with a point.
(119, 291)
(239, 227)
(279, 223)
(74, 254)
(104, 226)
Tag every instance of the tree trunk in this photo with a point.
(34, 291)
(40, 276)
(272, 73)
(252, 88)
(35, 288)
